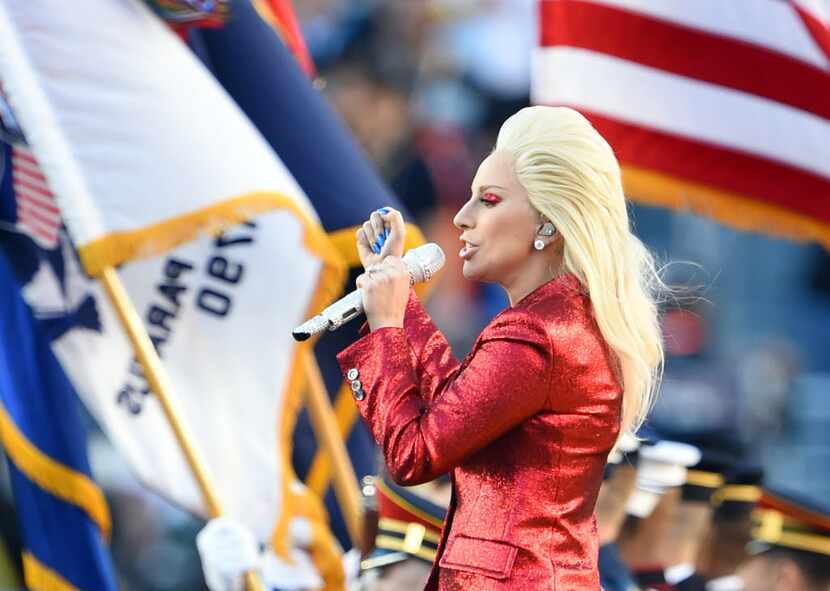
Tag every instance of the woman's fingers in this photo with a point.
(378, 225)
(363, 240)
(381, 231)
(395, 231)
(381, 235)
(364, 250)
(371, 236)
(393, 220)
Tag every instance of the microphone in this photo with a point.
(421, 262)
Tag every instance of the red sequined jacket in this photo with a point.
(524, 425)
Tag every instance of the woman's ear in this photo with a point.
(546, 229)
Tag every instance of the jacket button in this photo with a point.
(357, 390)
(352, 373)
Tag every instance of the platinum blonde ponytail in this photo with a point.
(572, 177)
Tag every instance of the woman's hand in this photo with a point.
(385, 289)
(386, 220)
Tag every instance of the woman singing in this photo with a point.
(525, 422)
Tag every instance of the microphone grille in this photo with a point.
(424, 261)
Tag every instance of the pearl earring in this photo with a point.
(538, 244)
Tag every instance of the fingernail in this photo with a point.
(375, 249)
(383, 210)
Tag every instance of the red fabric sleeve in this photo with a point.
(505, 380)
(433, 356)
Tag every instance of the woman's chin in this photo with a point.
(471, 271)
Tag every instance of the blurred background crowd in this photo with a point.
(424, 87)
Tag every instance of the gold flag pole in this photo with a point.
(159, 383)
(328, 436)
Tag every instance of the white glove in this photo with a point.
(299, 575)
(626, 444)
(227, 550)
(661, 466)
(351, 568)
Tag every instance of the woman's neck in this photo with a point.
(538, 271)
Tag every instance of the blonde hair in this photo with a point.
(572, 177)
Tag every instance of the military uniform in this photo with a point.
(407, 536)
(790, 545)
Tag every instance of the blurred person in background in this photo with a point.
(538, 402)
(691, 519)
(406, 540)
(647, 533)
(791, 544)
(618, 483)
(725, 547)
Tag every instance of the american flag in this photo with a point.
(37, 213)
(720, 106)
(816, 17)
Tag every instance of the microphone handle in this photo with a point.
(336, 315)
(421, 262)
(346, 308)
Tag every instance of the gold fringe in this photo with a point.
(733, 209)
(298, 500)
(42, 578)
(52, 476)
(345, 412)
(118, 247)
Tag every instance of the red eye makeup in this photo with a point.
(491, 198)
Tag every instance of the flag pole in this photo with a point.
(159, 383)
(330, 440)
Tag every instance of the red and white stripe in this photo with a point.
(37, 213)
(734, 95)
(816, 17)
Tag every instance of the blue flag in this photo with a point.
(62, 513)
(259, 72)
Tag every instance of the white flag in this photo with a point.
(141, 146)
(144, 152)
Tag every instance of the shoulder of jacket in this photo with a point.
(517, 323)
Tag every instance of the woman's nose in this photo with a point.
(463, 219)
